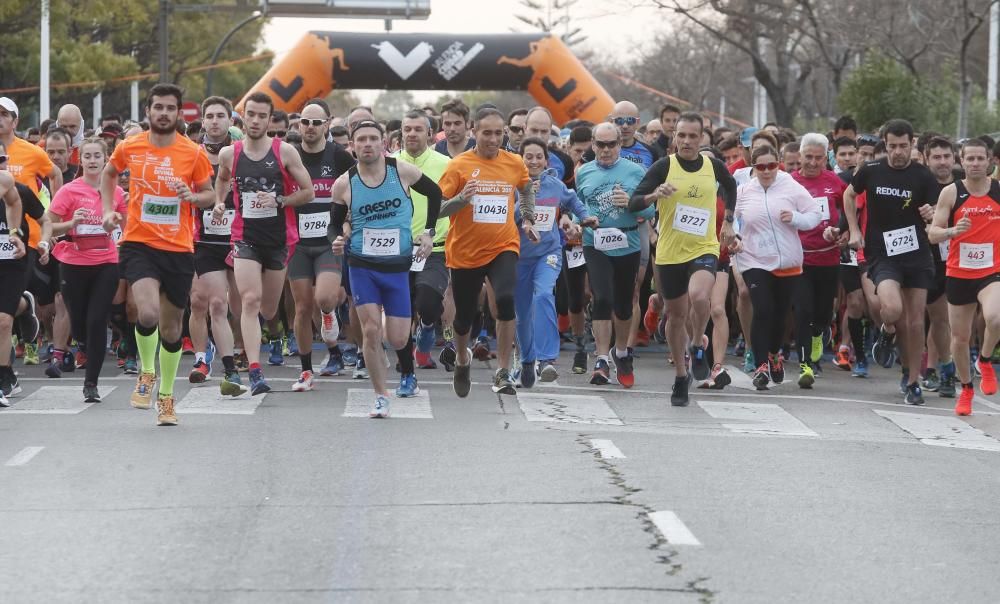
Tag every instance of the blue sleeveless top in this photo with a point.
(380, 222)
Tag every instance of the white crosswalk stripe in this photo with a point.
(359, 403)
(756, 418)
(209, 401)
(55, 400)
(942, 431)
(567, 408)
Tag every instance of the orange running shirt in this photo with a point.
(485, 228)
(156, 216)
(28, 164)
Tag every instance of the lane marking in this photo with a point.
(759, 418)
(207, 400)
(606, 448)
(359, 403)
(23, 456)
(56, 400)
(985, 402)
(938, 431)
(673, 529)
(567, 408)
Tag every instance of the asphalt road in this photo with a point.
(570, 493)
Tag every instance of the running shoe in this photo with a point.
(448, 356)
(329, 328)
(625, 371)
(242, 362)
(304, 383)
(349, 355)
(360, 371)
(26, 324)
(275, 358)
(760, 377)
(650, 319)
(777, 367)
(142, 396)
(258, 385)
(860, 369)
(947, 387)
(580, 362)
(54, 369)
(549, 373)
(165, 415)
(720, 377)
(68, 363)
(210, 351)
(641, 337)
(425, 339)
(843, 358)
(293, 346)
(232, 384)
(884, 350)
(424, 360)
(462, 380)
(931, 381)
(80, 363)
(740, 347)
(3, 400)
(806, 377)
(502, 384)
(31, 353)
(380, 410)
(988, 381)
(91, 394)
(187, 346)
(904, 381)
(481, 349)
(914, 396)
(333, 366)
(199, 373)
(601, 373)
(748, 362)
(964, 404)
(407, 386)
(131, 366)
(699, 363)
(527, 374)
(9, 385)
(679, 394)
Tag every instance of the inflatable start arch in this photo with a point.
(538, 63)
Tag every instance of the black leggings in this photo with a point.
(814, 305)
(429, 304)
(88, 292)
(612, 282)
(771, 297)
(570, 289)
(467, 283)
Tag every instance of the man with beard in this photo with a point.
(170, 177)
(268, 182)
(455, 123)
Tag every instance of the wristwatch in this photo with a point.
(43, 245)
(730, 218)
(280, 200)
(429, 233)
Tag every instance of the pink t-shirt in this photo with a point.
(89, 244)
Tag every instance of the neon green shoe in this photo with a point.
(31, 354)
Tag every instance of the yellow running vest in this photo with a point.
(687, 218)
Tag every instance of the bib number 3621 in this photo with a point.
(380, 242)
(609, 239)
(901, 241)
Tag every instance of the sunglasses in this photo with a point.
(308, 122)
(605, 144)
(766, 167)
(516, 129)
(622, 121)
(867, 139)
(278, 133)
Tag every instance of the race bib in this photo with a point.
(116, 235)
(976, 255)
(824, 206)
(901, 241)
(89, 230)
(944, 247)
(218, 226)
(545, 217)
(161, 210)
(313, 225)
(693, 221)
(380, 242)
(417, 264)
(609, 239)
(490, 209)
(254, 208)
(852, 258)
(6, 248)
(574, 257)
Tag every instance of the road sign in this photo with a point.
(190, 111)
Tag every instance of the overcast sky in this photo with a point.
(611, 26)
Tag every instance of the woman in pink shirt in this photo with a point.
(89, 257)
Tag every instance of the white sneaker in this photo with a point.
(548, 373)
(305, 383)
(330, 328)
(380, 409)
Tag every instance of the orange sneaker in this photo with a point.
(988, 379)
(641, 337)
(964, 404)
(650, 320)
(563, 323)
(843, 358)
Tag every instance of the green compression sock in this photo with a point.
(146, 342)
(170, 360)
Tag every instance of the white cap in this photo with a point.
(9, 105)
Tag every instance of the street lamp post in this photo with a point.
(218, 49)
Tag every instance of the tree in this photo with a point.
(882, 89)
(549, 16)
(392, 104)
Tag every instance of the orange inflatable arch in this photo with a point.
(538, 63)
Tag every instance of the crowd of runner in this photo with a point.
(484, 235)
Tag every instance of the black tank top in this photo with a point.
(324, 168)
(260, 225)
